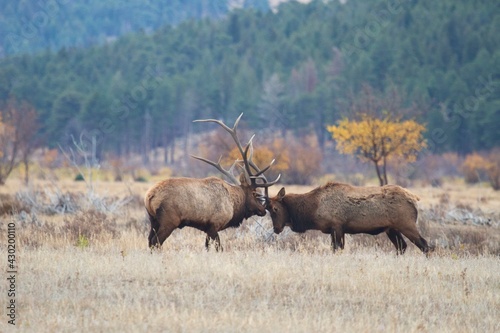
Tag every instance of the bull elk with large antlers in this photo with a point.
(208, 204)
(338, 209)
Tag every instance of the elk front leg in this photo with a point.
(213, 235)
(338, 239)
(218, 247)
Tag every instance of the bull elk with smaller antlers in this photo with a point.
(338, 209)
(208, 204)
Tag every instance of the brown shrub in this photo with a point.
(10, 205)
(474, 168)
(477, 167)
(433, 168)
(298, 160)
(49, 158)
(466, 241)
(493, 169)
(305, 160)
(90, 224)
(444, 199)
(141, 226)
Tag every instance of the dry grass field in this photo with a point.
(83, 266)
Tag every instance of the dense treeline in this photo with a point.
(298, 69)
(35, 25)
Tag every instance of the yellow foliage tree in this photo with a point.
(377, 140)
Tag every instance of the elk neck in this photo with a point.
(301, 209)
(240, 211)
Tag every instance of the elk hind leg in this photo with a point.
(161, 235)
(153, 240)
(414, 236)
(398, 241)
(153, 237)
(161, 230)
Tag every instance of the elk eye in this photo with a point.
(275, 209)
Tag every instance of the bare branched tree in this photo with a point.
(18, 137)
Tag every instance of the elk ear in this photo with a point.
(281, 194)
(243, 179)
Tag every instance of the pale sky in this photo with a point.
(274, 3)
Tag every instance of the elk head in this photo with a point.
(279, 213)
(252, 198)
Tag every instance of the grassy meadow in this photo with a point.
(84, 266)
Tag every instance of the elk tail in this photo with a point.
(147, 203)
(413, 199)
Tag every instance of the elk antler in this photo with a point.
(260, 173)
(246, 153)
(219, 167)
(234, 135)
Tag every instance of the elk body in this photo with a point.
(208, 204)
(338, 209)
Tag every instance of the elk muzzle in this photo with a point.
(278, 229)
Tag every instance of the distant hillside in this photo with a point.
(35, 25)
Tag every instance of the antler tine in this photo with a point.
(227, 128)
(266, 184)
(250, 164)
(247, 159)
(230, 130)
(235, 164)
(261, 172)
(233, 132)
(220, 168)
(255, 167)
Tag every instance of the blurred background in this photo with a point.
(115, 86)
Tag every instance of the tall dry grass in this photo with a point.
(90, 270)
(115, 286)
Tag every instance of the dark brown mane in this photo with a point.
(301, 208)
